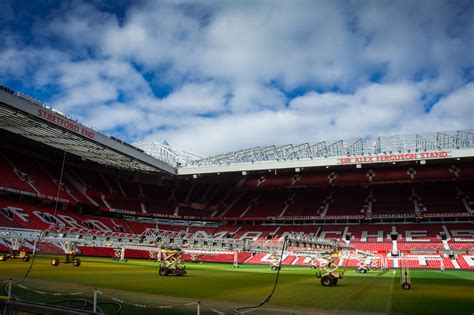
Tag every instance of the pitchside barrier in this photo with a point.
(29, 308)
(87, 302)
(8, 304)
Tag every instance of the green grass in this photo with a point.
(220, 286)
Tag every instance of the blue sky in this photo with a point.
(215, 76)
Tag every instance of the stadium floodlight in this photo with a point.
(422, 162)
(244, 173)
(297, 169)
(358, 165)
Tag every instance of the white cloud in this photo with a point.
(231, 132)
(370, 108)
(373, 109)
(115, 115)
(153, 35)
(247, 97)
(28, 63)
(196, 98)
(79, 24)
(453, 112)
(457, 106)
(322, 103)
(89, 83)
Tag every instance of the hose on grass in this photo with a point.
(119, 306)
(82, 304)
(78, 304)
(35, 249)
(267, 299)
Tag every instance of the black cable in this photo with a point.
(119, 306)
(35, 249)
(78, 304)
(83, 304)
(42, 231)
(59, 184)
(267, 299)
(75, 303)
(69, 303)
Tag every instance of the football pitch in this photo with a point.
(138, 288)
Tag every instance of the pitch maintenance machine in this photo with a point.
(169, 246)
(172, 264)
(16, 245)
(72, 252)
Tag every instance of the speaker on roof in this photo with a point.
(444, 237)
(394, 236)
(348, 236)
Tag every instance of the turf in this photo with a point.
(223, 288)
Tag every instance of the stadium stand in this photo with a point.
(13, 178)
(420, 203)
(413, 238)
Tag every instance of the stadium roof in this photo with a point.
(28, 117)
(171, 155)
(388, 149)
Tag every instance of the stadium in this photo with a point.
(236, 157)
(90, 223)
